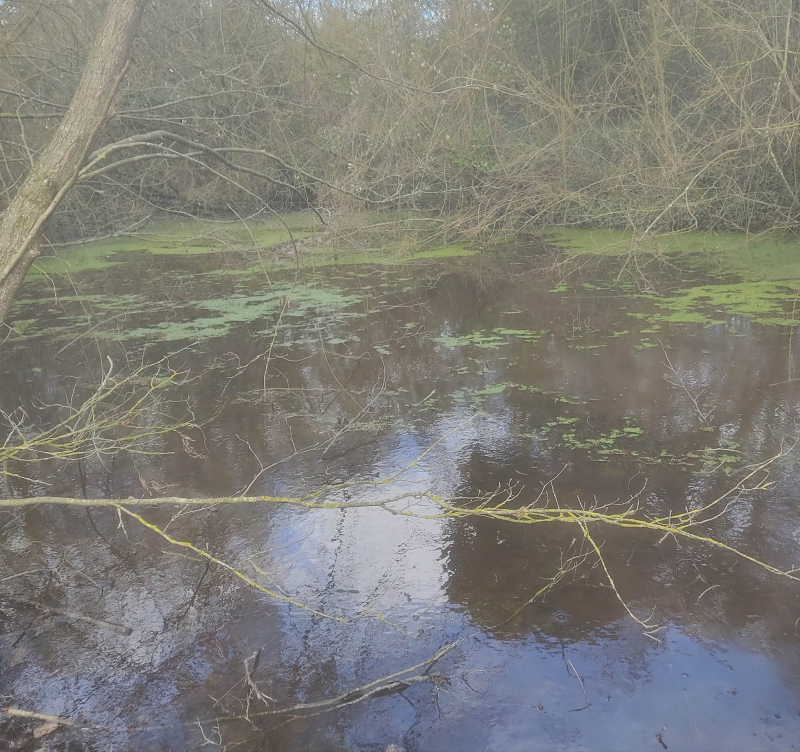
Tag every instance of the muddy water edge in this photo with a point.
(665, 386)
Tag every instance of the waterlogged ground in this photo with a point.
(340, 375)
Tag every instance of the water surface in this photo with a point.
(513, 376)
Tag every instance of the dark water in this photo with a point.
(369, 367)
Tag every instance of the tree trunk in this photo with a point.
(57, 168)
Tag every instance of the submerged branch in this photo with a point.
(395, 681)
(224, 565)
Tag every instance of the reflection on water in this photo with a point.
(368, 367)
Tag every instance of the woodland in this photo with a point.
(492, 117)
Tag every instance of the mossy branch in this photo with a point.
(494, 506)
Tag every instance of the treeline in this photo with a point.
(495, 115)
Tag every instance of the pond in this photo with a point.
(573, 381)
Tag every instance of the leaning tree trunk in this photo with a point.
(57, 168)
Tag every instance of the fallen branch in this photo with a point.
(393, 682)
(495, 506)
(249, 671)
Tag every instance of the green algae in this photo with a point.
(80, 259)
(490, 339)
(556, 396)
(23, 328)
(624, 441)
(315, 258)
(604, 442)
(601, 447)
(218, 316)
(189, 239)
(102, 303)
(454, 250)
(62, 313)
(477, 339)
(529, 335)
(175, 238)
(202, 246)
(389, 255)
(579, 241)
(201, 238)
(759, 273)
(488, 390)
(462, 396)
(553, 394)
(763, 302)
(763, 257)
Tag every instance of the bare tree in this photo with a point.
(58, 165)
